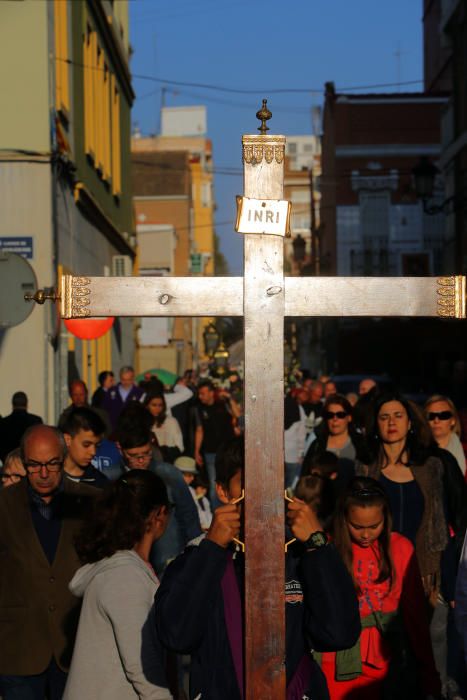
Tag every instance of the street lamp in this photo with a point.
(424, 174)
(211, 340)
(221, 358)
(299, 247)
(288, 357)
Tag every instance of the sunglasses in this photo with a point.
(335, 414)
(441, 415)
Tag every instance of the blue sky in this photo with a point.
(262, 46)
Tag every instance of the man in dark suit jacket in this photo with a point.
(13, 426)
(39, 518)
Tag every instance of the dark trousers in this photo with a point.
(49, 684)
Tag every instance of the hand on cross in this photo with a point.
(302, 520)
(225, 525)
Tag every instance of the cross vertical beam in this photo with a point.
(264, 434)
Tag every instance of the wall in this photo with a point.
(25, 354)
(24, 69)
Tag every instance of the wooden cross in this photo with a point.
(263, 297)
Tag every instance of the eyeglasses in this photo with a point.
(441, 415)
(335, 414)
(10, 477)
(53, 466)
(142, 457)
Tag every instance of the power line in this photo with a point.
(243, 91)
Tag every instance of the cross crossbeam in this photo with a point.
(442, 297)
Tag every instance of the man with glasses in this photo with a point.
(39, 519)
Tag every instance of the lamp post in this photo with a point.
(211, 340)
(424, 175)
(299, 248)
(221, 359)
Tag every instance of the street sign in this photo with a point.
(16, 279)
(196, 263)
(22, 245)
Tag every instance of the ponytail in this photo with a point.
(119, 515)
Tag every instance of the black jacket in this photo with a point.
(13, 427)
(190, 614)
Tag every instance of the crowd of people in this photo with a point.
(119, 531)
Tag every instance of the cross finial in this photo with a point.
(263, 115)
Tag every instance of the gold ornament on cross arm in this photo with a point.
(451, 296)
(75, 296)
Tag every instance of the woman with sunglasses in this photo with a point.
(445, 426)
(116, 654)
(336, 434)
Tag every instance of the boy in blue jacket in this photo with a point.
(199, 602)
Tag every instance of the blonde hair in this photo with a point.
(438, 397)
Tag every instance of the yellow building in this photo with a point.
(183, 131)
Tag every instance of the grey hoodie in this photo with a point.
(117, 655)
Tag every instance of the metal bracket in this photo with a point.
(234, 502)
(294, 539)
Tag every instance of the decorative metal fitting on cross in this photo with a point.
(451, 297)
(263, 115)
(40, 296)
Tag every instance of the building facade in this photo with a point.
(182, 201)
(302, 176)
(445, 61)
(162, 195)
(373, 223)
(64, 180)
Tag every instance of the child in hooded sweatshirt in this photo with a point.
(116, 654)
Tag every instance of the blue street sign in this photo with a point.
(19, 245)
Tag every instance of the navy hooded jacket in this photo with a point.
(321, 613)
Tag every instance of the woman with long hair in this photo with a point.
(336, 434)
(116, 654)
(401, 459)
(393, 657)
(166, 428)
(445, 426)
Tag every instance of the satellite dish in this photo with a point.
(16, 279)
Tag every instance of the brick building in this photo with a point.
(372, 222)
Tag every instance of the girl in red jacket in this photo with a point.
(393, 657)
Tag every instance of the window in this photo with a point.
(374, 217)
(206, 194)
(62, 88)
(116, 151)
(101, 112)
(89, 93)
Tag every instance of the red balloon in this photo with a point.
(88, 328)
